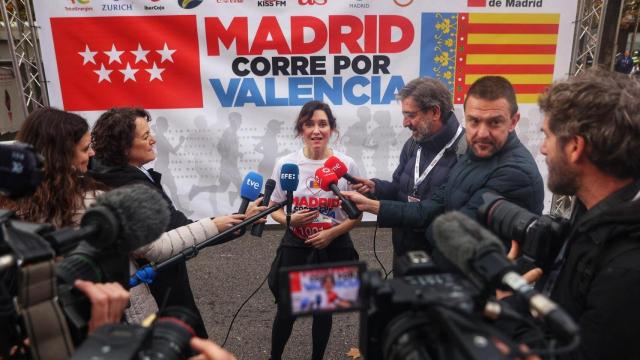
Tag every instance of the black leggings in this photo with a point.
(283, 324)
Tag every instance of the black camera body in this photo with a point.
(540, 237)
(23, 244)
(167, 339)
(422, 313)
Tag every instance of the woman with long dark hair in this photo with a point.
(318, 231)
(63, 139)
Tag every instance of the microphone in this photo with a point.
(128, 217)
(250, 190)
(328, 181)
(480, 256)
(289, 183)
(269, 186)
(337, 166)
(119, 222)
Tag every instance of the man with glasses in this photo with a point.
(426, 157)
(496, 161)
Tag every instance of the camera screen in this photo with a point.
(329, 288)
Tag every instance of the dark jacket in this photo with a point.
(116, 176)
(510, 172)
(171, 287)
(604, 241)
(407, 239)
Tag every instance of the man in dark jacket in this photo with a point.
(495, 162)
(591, 128)
(426, 157)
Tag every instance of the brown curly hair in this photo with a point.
(54, 134)
(113, 134)
(603, 108)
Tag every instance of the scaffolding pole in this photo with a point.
(22, 36)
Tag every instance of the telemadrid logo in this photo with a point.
(403, 3)
(189, 4)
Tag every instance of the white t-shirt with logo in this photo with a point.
(308, 195)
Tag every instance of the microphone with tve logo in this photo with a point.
(269, 186)
(328, 181)
(250, 190)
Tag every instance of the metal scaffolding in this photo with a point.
(22, 36)
(588, 51)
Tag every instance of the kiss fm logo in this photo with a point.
(270, 3)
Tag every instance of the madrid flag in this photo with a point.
(144, 61)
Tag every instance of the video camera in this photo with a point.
(540, 237)
(167, 339)
(423, 313)
(98, 251)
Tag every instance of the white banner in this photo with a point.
(224, 79)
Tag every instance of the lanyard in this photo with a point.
(417, 178)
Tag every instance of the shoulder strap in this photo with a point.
(600, 256)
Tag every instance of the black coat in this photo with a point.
(171, 287)
(401, 185)
(607, 308)
(510, 172)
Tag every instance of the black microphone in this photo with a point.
(328, 181)
(269, 186)
(480, 256)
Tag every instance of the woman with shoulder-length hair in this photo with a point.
(63, 139)
(318, 231)
(123, 143)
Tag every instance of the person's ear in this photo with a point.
(514, 121)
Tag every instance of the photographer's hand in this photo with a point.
(209, 350)
(108, 302)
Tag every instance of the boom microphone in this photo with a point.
(128, 217)
(480, 255)
(289, 182)
(250, 190)
(337, 166)
(328, 181)
(256, 229)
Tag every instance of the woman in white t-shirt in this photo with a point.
(319, 229)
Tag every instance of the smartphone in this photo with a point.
(322, 288)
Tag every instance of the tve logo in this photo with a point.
(254, 184)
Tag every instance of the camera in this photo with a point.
(540, 237)
(423, 313)
(21, 169)
(25, 246)
(167, 339)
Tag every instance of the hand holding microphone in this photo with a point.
(358, 184)
(328, 181)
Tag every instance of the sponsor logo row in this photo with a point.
(159, 5)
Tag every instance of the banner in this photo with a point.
(225, 79)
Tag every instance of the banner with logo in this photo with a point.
(225, 79)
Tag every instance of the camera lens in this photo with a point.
(170, 335)
(509, 221)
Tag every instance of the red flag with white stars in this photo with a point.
(145, 61)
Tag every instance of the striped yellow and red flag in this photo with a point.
(520, 47)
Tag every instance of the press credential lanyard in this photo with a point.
(417, 178)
